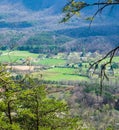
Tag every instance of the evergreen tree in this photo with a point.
(25, 105)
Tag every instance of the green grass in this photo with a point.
(52, 74)
(62, 70)
(24, 54)
(61, 74)
(52, 62)
(62, 77)
(7, 58)
(14, 56)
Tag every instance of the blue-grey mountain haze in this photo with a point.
(34, 16)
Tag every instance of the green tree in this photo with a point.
(39, 112)
(25, 105)
(8, 101)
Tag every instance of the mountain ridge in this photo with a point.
(19, 18)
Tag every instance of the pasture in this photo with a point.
(51, 62)
(61, 74)
(15, 56)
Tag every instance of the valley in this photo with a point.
(61, 67)
(45, 80)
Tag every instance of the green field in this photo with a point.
(61, 74)
(14, 56)
(52, 62)
(54, 68)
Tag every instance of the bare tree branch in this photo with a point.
(74, 8)
(109, 55)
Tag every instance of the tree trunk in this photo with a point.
(9, 113)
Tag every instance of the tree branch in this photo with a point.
(111, 55)
(73, 7)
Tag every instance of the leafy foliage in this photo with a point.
(25, 105)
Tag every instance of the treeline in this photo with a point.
(54, 42)
(93, 31)
(45, 42)
(46, 49)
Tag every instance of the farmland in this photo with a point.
(52, 68)
(15, 56)
(61, 74)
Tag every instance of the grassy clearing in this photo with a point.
(61, 74)
(20, 53)
(7, 58)
(14, 56)
(52, 62)
(24, 54)
(62, 70)
(62, 77)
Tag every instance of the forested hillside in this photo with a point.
(24, 21)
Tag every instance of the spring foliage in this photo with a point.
(24, 105)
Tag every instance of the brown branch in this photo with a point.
(98, 11)
(103, 3)
(9, 111)
(37, 113)
(108, 54)
(74, 7)
(70, 12)
(111, 55)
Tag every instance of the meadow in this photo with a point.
(61, 74)
(15, 56)
(51, 62)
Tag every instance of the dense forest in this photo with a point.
(67, 40)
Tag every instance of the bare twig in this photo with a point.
(111, 55)
(73, 7)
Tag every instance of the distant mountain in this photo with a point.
(36, 5)
(57, 5)
(85, 31)
(109, 14)
(28, 8)
(22, 19)
(43, 4)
